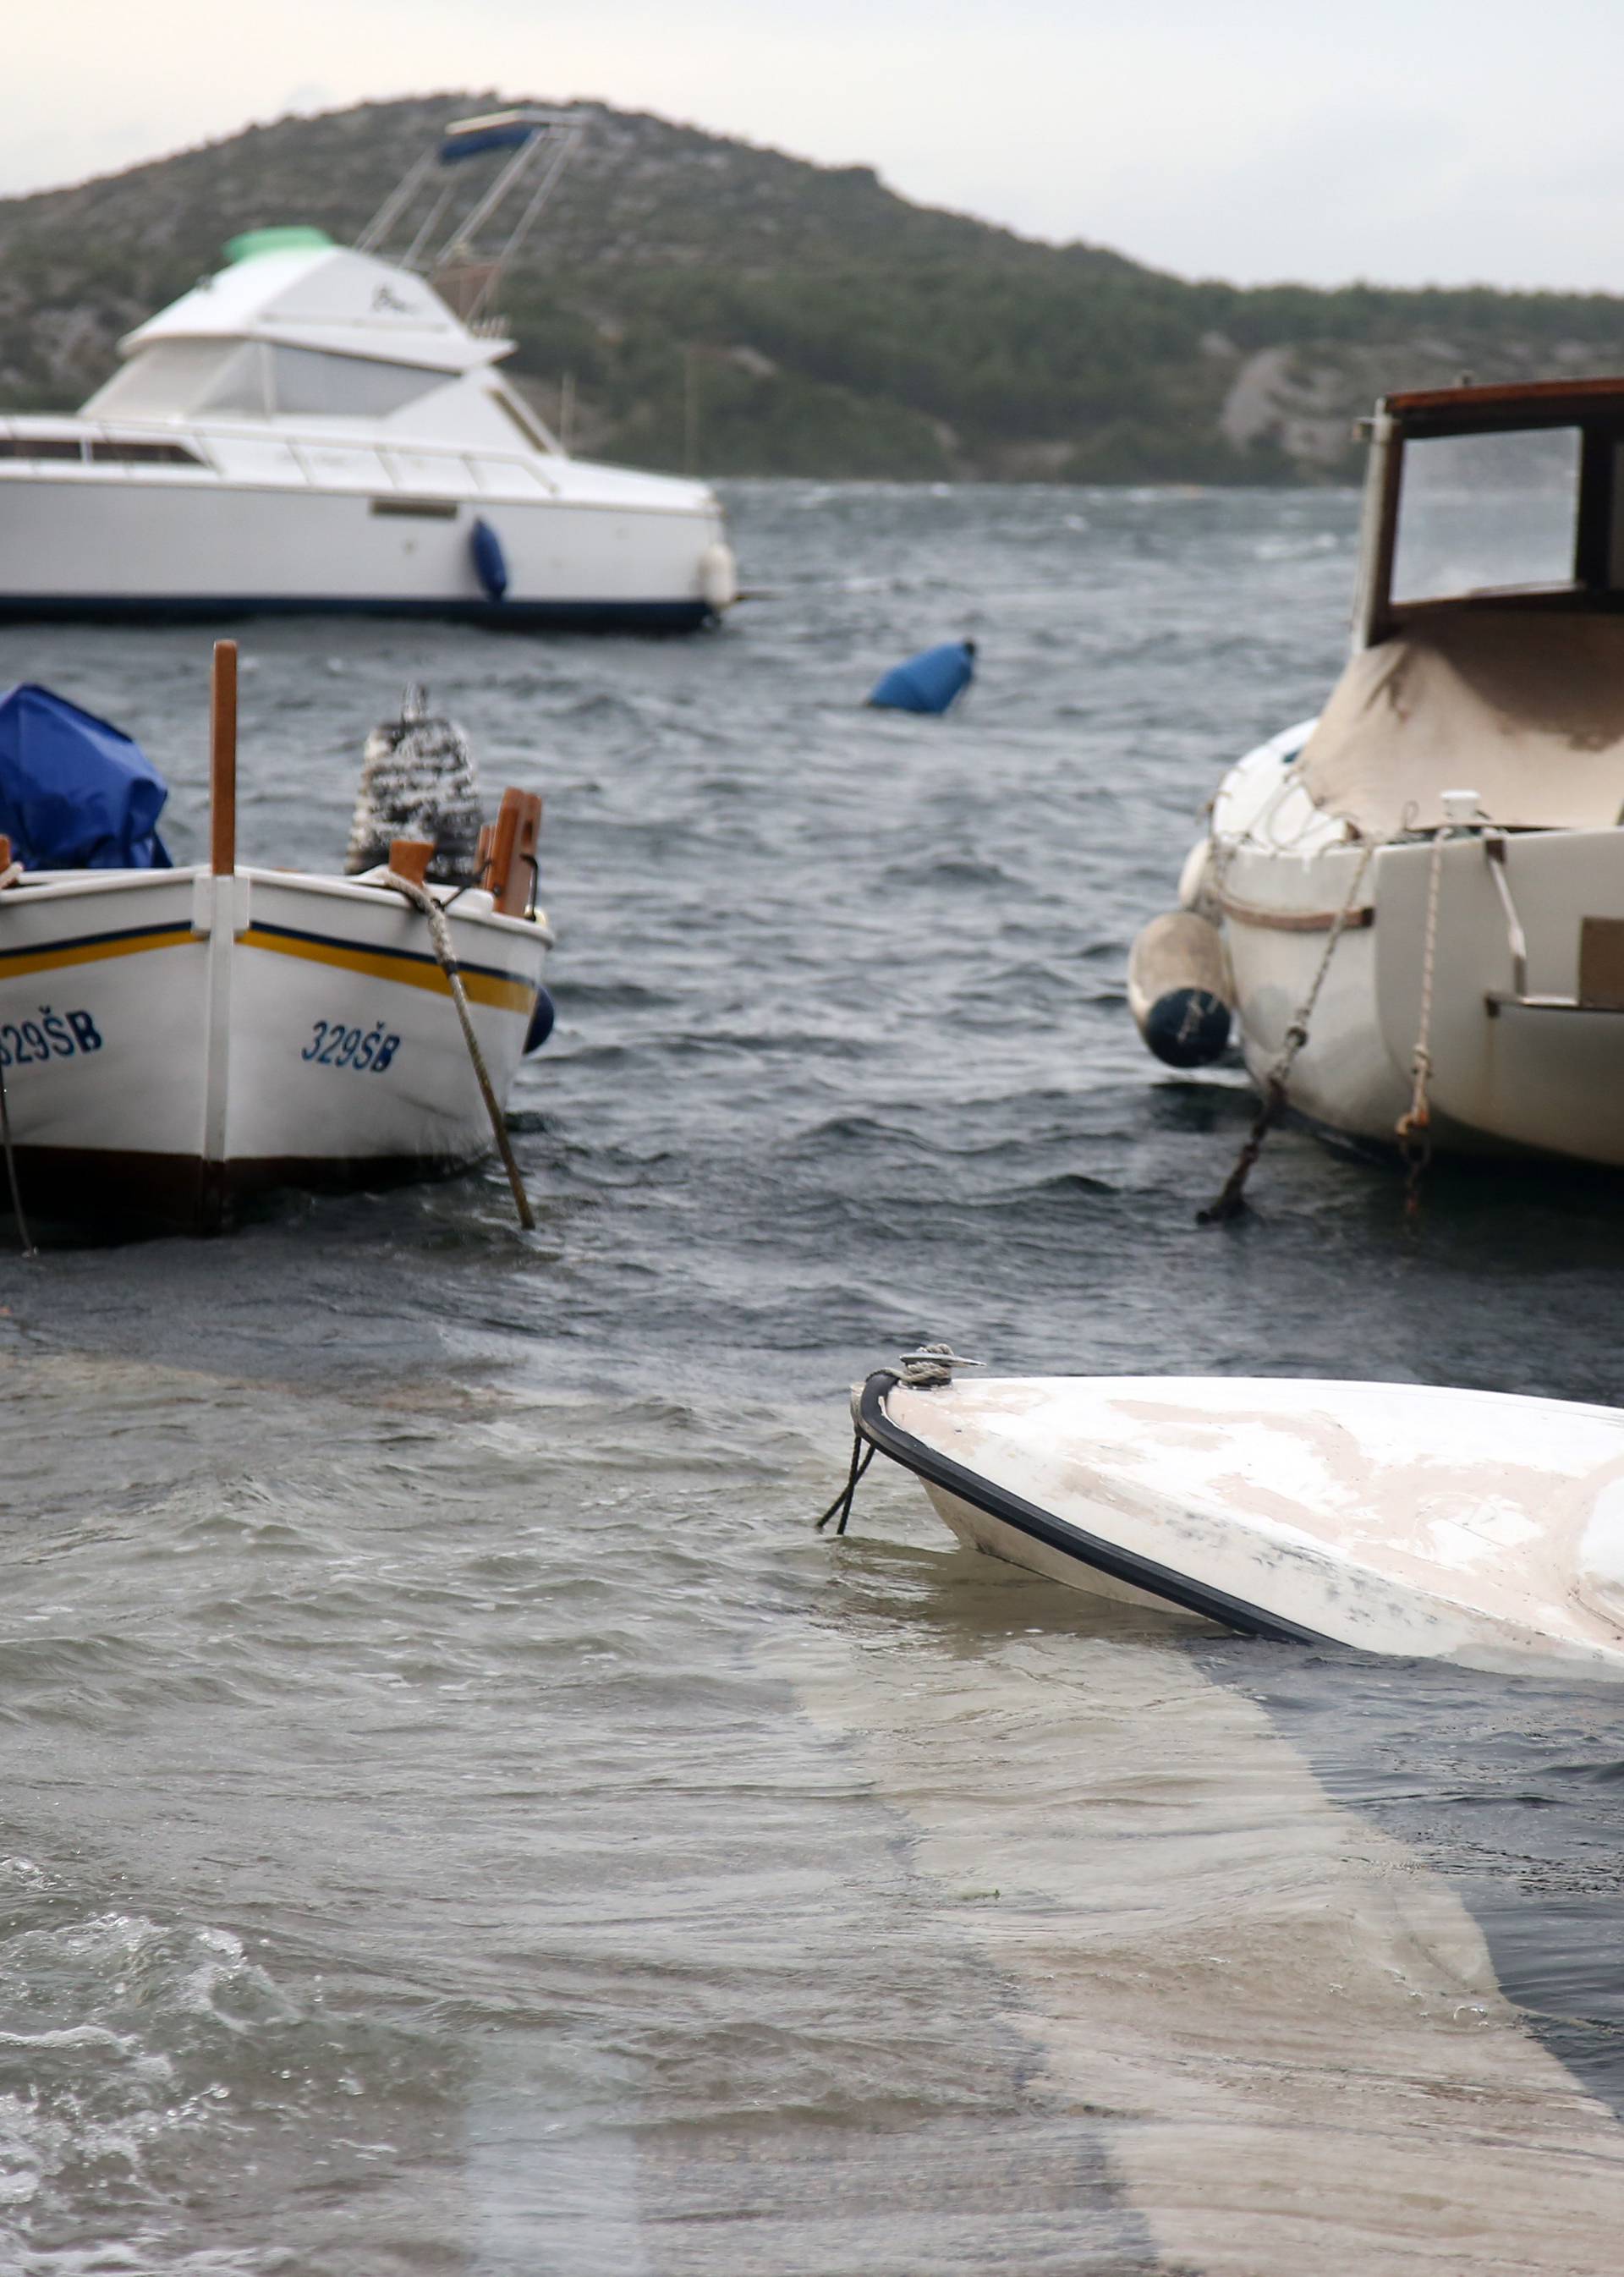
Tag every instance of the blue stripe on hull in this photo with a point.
(528, 616)
(381, 948)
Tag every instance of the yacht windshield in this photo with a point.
(252, 380)
(305, 382)
(161, 381)
(1480, 513)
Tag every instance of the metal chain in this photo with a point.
(1231, 1200)
(1414, 1127)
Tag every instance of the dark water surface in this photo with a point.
(457, 1817)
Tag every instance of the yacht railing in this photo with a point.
(133, 450)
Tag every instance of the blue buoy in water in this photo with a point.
(490, 560)
(929, 681)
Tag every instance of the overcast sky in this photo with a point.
(1408, 141)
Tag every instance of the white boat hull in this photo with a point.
(1397, 1518)
(170, 1040)
(140, 542)
(1521, 1057)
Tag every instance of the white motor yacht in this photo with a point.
(322, 427)
(1413, 907)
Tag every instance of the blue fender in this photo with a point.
(1188, 1027)
(929, 681)
(541, 1023)
(490, 560)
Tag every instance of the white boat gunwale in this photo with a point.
(875, 1426)
(48, 885)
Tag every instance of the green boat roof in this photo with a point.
(296, 238)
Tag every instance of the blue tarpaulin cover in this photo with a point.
(929, 682)
(75, 794)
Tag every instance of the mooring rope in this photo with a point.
(1414, 1128)
(843, 1500)
(9, 876)
(439, 933)
(24, 1237)
(1232, 1200)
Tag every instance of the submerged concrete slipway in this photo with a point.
(457, 1817)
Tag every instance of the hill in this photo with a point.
(767, 316)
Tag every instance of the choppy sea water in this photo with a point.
(457, 1817)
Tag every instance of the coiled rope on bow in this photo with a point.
(1232, 1200)
(439, 933)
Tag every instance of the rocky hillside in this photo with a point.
(764, 315)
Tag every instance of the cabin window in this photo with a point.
(307, 383)
(1485, 512)
(40, 446)
(145, 454)
(533, 433)
(418, 509)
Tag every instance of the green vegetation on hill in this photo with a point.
(765, 316)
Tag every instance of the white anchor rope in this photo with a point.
(1413, 1126)
(439, 933)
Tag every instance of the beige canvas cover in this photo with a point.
(1524, 707)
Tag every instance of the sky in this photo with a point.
(1406, 142)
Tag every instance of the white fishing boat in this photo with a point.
(1400, 1519)
(1413, 907)
(174, 1040)
(319, 428)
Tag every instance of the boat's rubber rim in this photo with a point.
(1157, 1580)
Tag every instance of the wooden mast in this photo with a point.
(223, 761)
(222, 897)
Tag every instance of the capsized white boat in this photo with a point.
(1433, 870)
(321, 427)
(172, 1041)
(1472, 1527)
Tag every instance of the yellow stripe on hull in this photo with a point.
(92, 952)
(382, 964)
